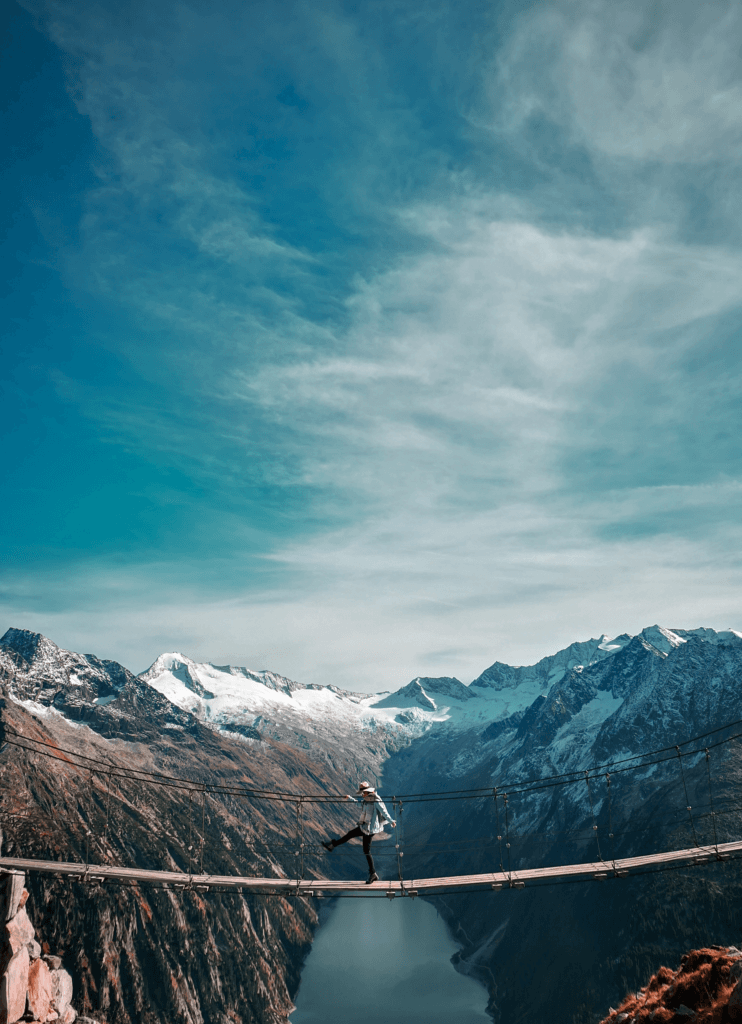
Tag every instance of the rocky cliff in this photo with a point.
(33, 983)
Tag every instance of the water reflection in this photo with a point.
(385, 962)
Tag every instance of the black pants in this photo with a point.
(353, 834)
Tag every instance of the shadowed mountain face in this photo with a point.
(559, 953)
(564, 953)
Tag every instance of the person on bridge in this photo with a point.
(373, 818)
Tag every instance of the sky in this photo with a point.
(367, 341)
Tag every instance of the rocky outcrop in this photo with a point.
(707, 988)
(32, 985)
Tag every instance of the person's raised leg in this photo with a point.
(332, 843)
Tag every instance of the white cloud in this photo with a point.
(472, 365)
(635, 80)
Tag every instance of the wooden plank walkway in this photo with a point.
(596, 870)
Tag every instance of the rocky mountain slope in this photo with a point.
(588, 944)
(144, 954)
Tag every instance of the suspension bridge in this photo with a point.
(518, 879)
(195, 879)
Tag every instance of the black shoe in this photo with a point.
(329, 846)
(373, 877)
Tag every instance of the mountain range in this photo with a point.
(596, 702)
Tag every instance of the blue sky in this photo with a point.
(362, 341)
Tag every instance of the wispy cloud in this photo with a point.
(423, 405)
(645, 82)
(511, 352)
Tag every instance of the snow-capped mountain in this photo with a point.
(329, 720)
(264, 703)
(602, 686)
(48, 680)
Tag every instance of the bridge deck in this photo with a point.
(333, 887)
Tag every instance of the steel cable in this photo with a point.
(711, 802)
(610, 820)
(499, 837)
(687, 798)
(592, 813)
(564, 778)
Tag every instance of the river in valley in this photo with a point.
(378, 961)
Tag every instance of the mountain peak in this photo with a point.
(662, 639)
(421, 688)
(179, 666)
(31, 646)
(166, 663)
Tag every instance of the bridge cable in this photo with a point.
(507, 837)
(302, 837)
(203, 826)
(190, 832)
(90, 822)
(610, 820)
(272, 794)
(158, 779)
(499, 837)
(711, 801)
(687, 798)
(592, 812)
(400, 853)
(108, 806)
(299, 839)
(175, 782)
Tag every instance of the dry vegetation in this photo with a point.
(699, 990)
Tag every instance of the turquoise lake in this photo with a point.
(378, 961)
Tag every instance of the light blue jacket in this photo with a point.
(374, 815)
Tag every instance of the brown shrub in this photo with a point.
(701, 983)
